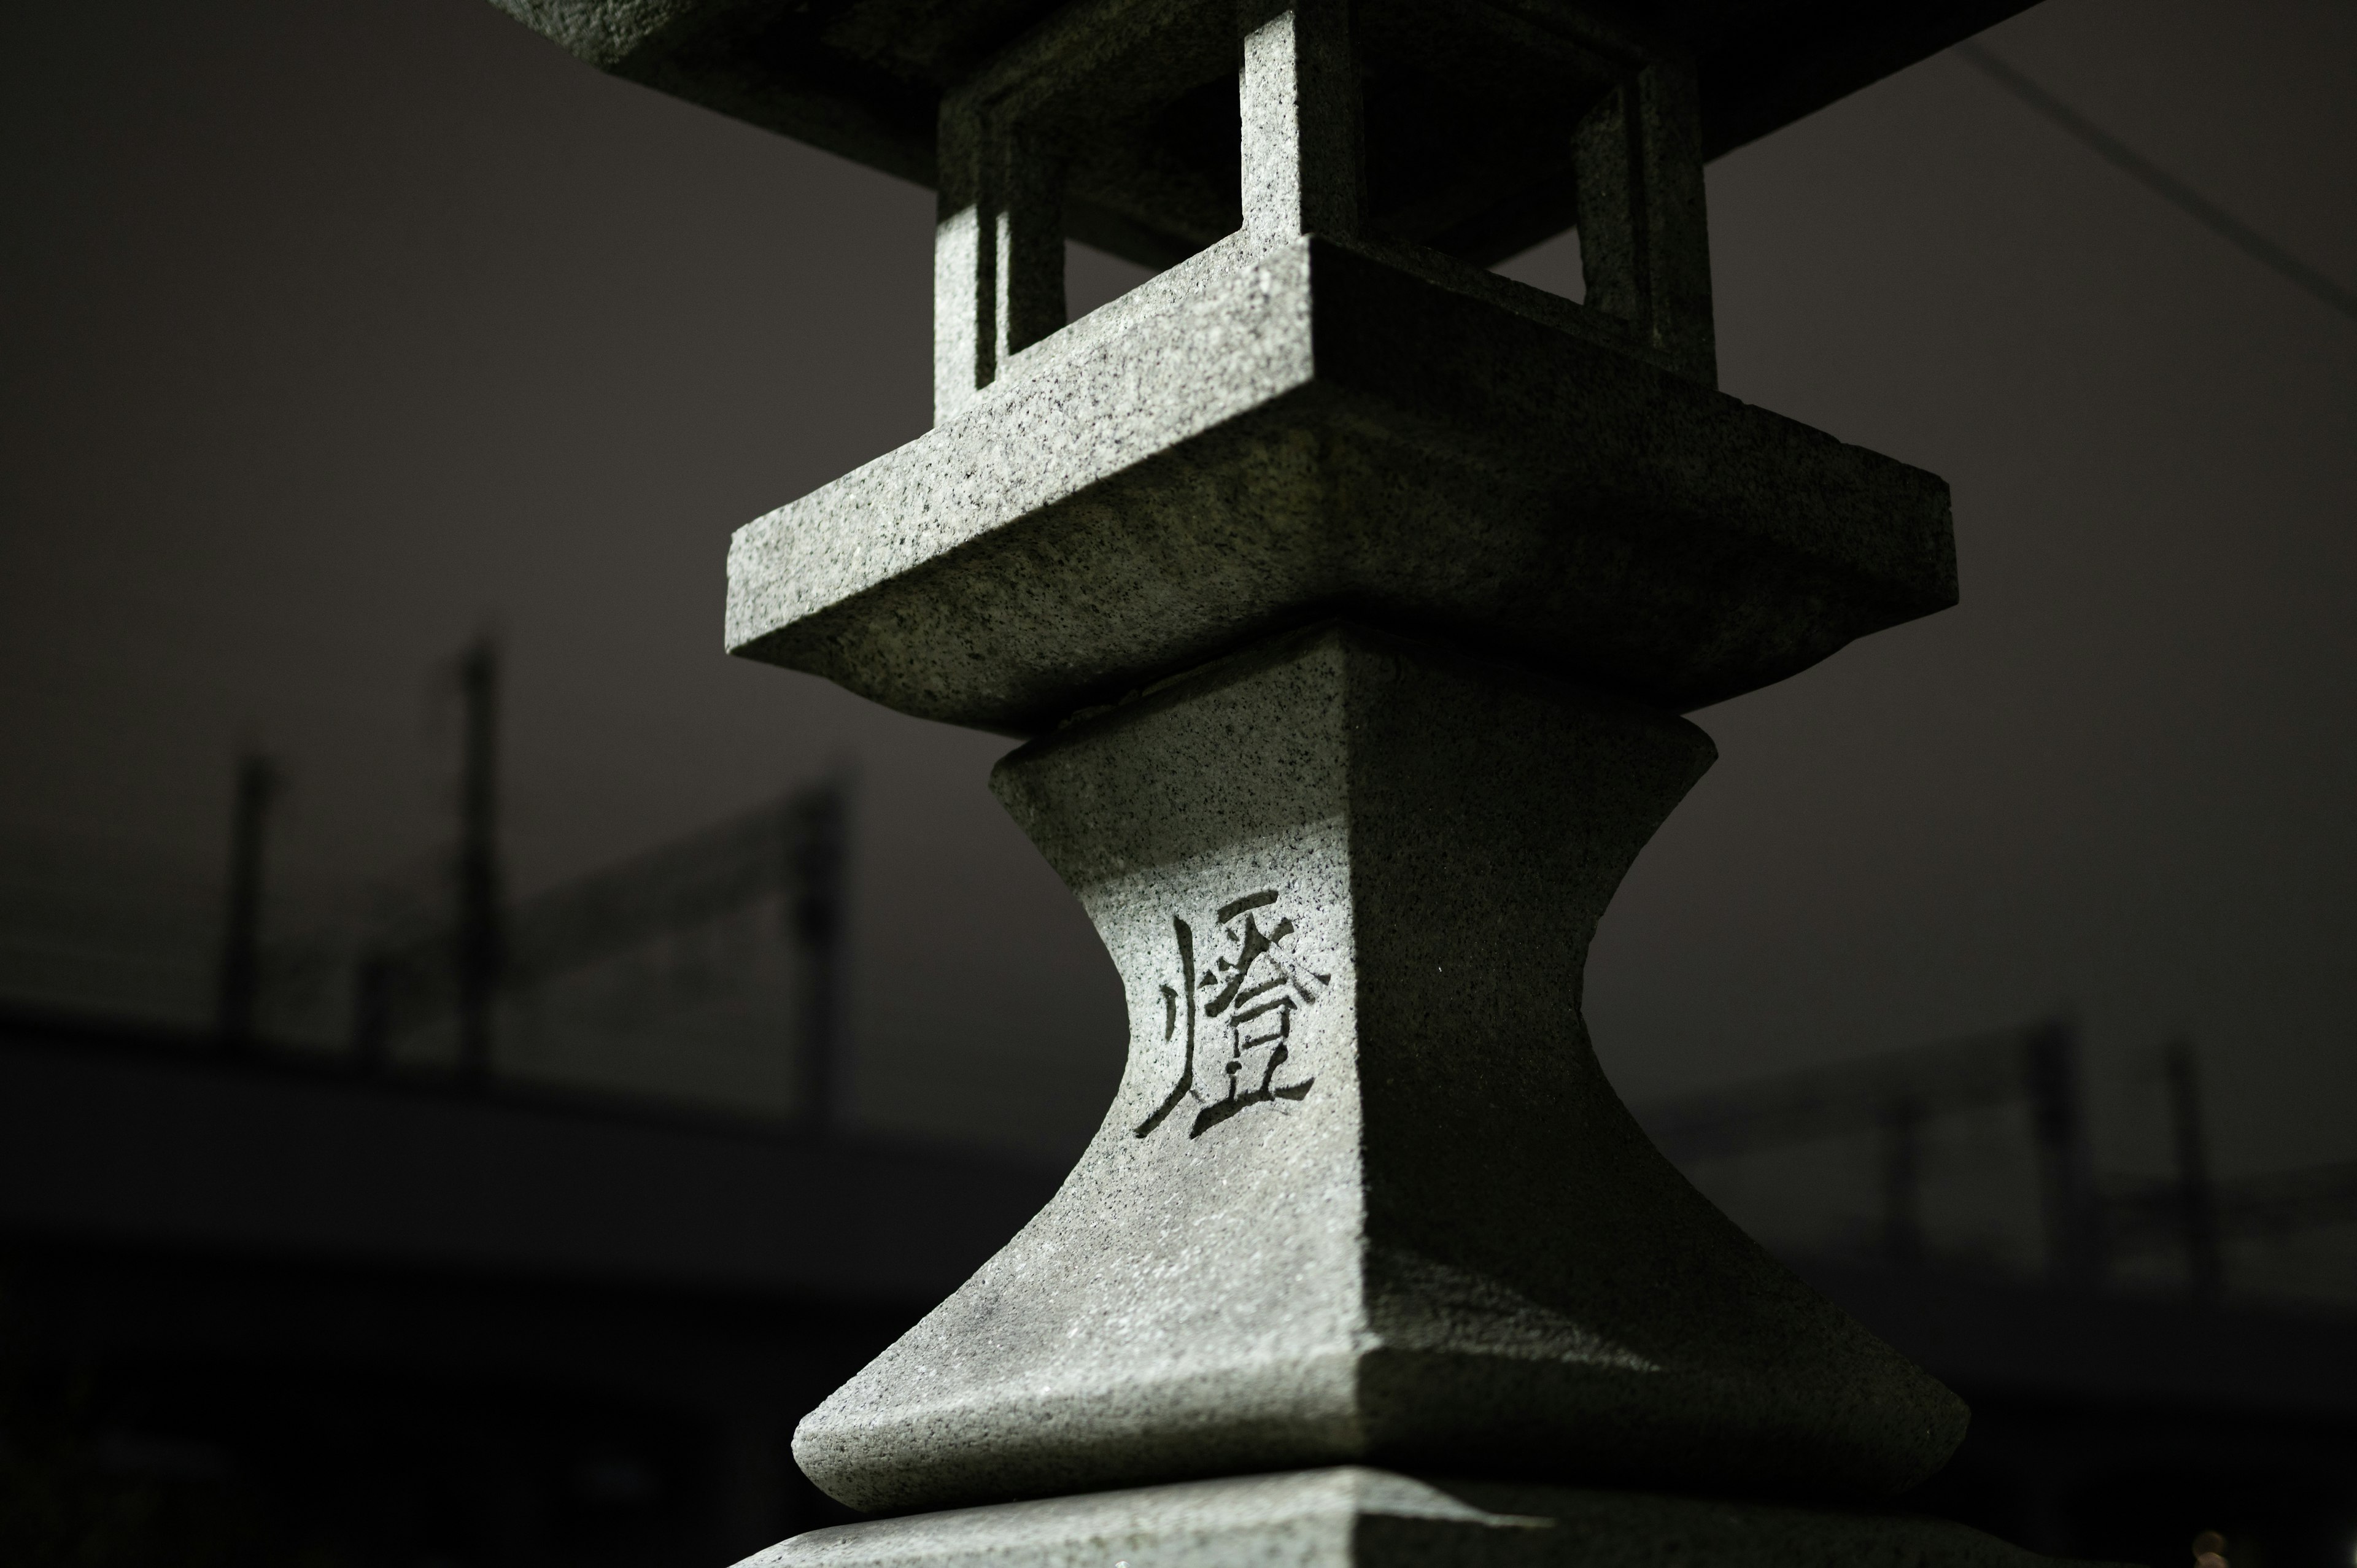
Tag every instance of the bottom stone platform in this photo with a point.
(1353, 1517)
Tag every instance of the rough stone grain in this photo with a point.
(1351, 591)
(1358, 1518)
(1273, 434)
(1365, 1194)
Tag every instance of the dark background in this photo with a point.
(336, 333)
(332, 334)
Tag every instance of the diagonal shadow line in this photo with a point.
(2162, 183)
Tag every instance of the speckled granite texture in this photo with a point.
(1364, 1194)
(1356, 1518)
(1347, 594)
(1317, 415)
(1264, 435)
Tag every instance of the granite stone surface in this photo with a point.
(1273, 433)
(1351, 1517)
(1364, 1195)
(1314, 416)
(1347, 594)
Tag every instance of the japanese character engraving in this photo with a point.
(1239, 1013)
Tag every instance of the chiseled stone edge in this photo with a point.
(1357, 1516)
(1229, 331)
(1069, 412)
(1121, 1340)
(1090, 460)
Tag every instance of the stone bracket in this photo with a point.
(1303, 164)
(1644, 248)
(1009, 135)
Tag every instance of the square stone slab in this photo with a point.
(1354, 1517)
(864, 79)
(1269, 434)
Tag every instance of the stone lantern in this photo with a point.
(1347, 596)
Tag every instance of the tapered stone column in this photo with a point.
(1363, 1195)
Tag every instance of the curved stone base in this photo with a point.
(1364, 1196)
